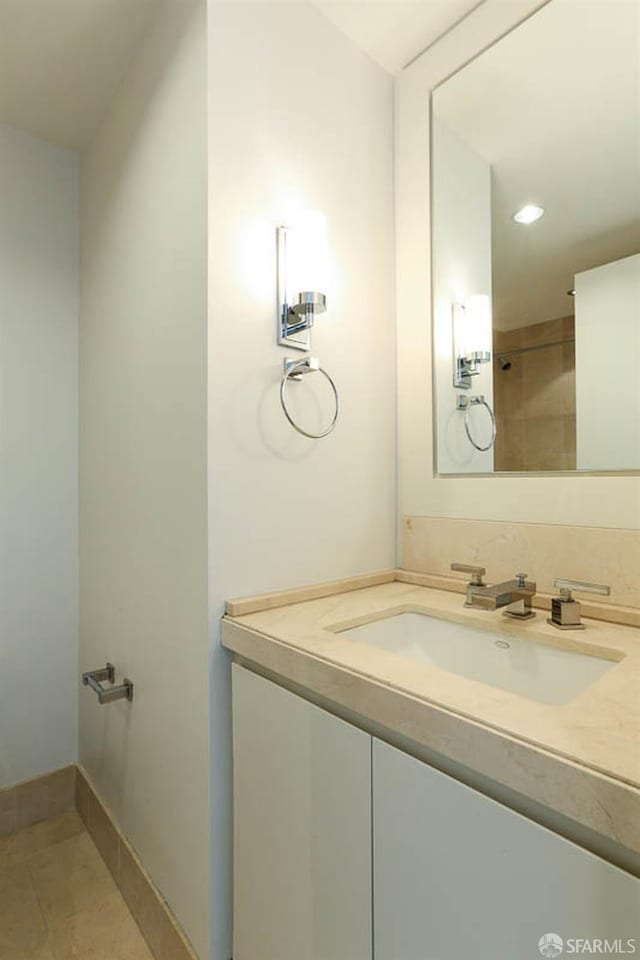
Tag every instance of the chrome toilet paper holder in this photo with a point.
(94, 678)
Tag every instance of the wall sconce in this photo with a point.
(302, 262)
(471, 328)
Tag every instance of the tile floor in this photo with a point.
(58, 901)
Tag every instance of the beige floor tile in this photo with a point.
(43, 951)
(58, 901)
(105, 931)
(16, 848)
(23, 935)
(68, 878)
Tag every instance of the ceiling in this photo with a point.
(555, 109)
(61, 62)
(394, 32)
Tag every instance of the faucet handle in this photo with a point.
(566, 586)
(521, 579)
(565, 611)
(477, 573)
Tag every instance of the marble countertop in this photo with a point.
(581, 758)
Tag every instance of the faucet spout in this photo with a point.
(517, 592)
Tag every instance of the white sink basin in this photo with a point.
(520, 666)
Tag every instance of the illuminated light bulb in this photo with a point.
(528, 214)
(307, 254)
(477, 325)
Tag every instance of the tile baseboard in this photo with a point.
(38, 799)
(148, 907)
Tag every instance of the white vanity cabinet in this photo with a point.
(302, 828)
(458, 876)
(346, 848)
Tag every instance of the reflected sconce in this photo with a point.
(471, 329)
(301, 266)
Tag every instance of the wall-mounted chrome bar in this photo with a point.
(93, 678)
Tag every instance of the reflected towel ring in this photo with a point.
(293, 370)
(465, 403)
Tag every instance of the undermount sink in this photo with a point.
(534, 670)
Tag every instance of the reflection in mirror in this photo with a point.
(536, 247)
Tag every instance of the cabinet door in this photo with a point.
(458, 876)
(302, 828)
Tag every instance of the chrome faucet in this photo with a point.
(516, 594)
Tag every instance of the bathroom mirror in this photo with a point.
(535, 199)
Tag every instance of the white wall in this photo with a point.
(461, 268)
(584, 500)
(299, 118)
(143, 520)
(607, 305)
(38, 457)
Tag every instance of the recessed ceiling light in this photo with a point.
(528, 214)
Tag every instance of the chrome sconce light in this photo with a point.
(471, 328)
(301, 264)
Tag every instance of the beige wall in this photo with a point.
(299, 118)
(542, 551)
(143, 518)
(584, 500)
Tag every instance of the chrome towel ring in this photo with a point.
(293, 370)
(465, 403)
